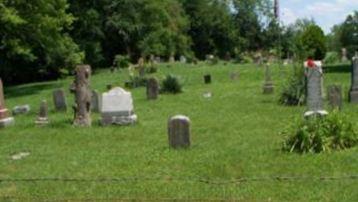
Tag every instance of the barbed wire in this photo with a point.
(114, 199)
(185, 179)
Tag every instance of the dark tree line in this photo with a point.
(45, 39)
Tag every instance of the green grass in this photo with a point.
(235, 134)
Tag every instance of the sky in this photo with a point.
(326, 13)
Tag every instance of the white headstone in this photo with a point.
(117, 107)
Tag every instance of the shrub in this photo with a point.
(331, 58)
(312, 43)
(294, 89)
(321, 134)
(151, 69)
(121, 61)
(171, 84)
(243, 58)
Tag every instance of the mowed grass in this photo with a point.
(235, 134)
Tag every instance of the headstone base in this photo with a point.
(119, 120)
(353, 97)
(268, 89)
(7, 122)
(41, 121)
(315, 113)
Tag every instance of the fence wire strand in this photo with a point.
(174, 179)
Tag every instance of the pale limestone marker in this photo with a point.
(314, 74)
(117, 108)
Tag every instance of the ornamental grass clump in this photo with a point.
(171, 84)
(294, 89)
(321, 134)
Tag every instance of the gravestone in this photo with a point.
(141, 67)
(335, 96)
(353, 94)
(152, 89)
(82, 108)
(344, 55)
(171, 58)
(314, 89)
(23, 109)
(207, 79)
(5, 119)
(179, 131)
(59, 100)
(183, 59)
(268, 87)
(234, 76)
(95, 101)
(117, 108)
(42, 118)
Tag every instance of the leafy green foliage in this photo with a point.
(294, 89)
(33, 41)
(121, 61)
(349, 34)
(312, 43)
(331, 58)
(171, 84)
(321, 134)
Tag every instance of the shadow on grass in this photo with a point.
(23, 90)
(338, 68)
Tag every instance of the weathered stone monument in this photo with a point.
(335, 96)
(42, 118)
(59, 99)
(82, 108)
(117, 108)
(344, 55)
(5, 119)
(141, 67)
(183, 59)
(353, 94)
(268, 87)
(314, 74)
(171, 58)
(207, 79)
(22, 109)
(152, 89)
(95, 101)
(179, 131)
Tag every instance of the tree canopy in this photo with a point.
(44, 39)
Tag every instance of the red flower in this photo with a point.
(310, 63)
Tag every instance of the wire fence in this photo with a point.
(186, 179)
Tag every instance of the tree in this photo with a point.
(312, 43)
(87, 29)
(349, 33)
(33, 41)
(211, 27)
(142, 27)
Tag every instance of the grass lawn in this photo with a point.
(235, 134)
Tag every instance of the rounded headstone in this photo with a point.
(179, 131)
(152, 89)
